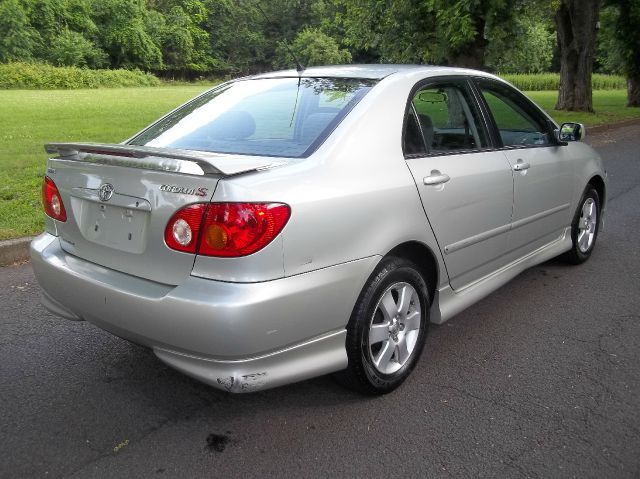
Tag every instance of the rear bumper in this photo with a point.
(237, 337)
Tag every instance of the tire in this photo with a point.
(393, 312)
(584, 228)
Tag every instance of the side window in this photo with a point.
(518, 122)
(449, 119)
(413, 143)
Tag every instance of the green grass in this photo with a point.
(609, 107)
(31, 118)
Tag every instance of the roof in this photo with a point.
(373, 71)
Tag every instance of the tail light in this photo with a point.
(226, 229)
(183, 229)
(52, 201)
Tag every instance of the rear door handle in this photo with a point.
(436, 178)
(521, 166)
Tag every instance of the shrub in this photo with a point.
(74, 50)
(47, 77)
(551, 81)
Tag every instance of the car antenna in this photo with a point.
(299, 67)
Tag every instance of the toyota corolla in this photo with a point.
(289, 225)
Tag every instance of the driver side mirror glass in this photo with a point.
(571, 132)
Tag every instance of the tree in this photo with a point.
(312, 47)
(626, 45)
(124, 36)
(526, 49)
(454, 32)
(18, 39)
(576, 24)
(401, 31)
(73, 49)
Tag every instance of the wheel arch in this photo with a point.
(424, 258)
(598, 183)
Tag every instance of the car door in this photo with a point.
(542, 169)
(466, 189)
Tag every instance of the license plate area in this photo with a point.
(119, 227)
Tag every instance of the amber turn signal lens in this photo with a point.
(216, 237)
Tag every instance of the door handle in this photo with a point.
(436, 178)
(521, 166)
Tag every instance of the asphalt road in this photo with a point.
(540, 379)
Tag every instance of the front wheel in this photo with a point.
(584, 229)
(386, 332)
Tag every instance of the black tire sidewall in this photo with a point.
(579, 256)
(389, 272)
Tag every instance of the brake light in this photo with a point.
(183, 228)
(240, 229)
(52, 201)
(226, 229)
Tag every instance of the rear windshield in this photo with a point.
(286, 117)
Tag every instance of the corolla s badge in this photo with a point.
(185, 190)
(105, 192)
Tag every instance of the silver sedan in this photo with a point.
(286, 225)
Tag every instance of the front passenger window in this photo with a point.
(519, 123)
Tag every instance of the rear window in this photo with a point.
(286, 117)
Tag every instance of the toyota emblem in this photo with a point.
(105, 192)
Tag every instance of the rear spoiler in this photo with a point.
(164, 159)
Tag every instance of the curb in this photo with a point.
(611, 126)
(15, 250)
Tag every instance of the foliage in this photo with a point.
(312, 47)
(426, 31)
(18, 39)
(551, 81)
(400, 31)
(124, 35)
(608, 52)
(42, 76)
(622, 43)
(74, 50)
(529, 49)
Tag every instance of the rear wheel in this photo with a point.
(386, 332)
(584, 229)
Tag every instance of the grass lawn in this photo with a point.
(608, 104)
(31, 118)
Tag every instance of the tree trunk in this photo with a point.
(576, 22)
(472, 54)
(633, 91)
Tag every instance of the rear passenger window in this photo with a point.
(519, 123)
(449, 119)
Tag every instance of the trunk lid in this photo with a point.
(120, 198)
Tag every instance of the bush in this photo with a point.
(71, 49)
(551, 81)
(312, 47)
(46, 77)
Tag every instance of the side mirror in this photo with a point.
(572, 132)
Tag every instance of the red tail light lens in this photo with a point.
(52, 201)
(240, 229)
(183, 228)
(226, 229)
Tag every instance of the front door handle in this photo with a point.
(521, 166)
(436, 178)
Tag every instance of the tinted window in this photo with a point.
(449, 119)
(413, 140)
(518, 122)
(274, 117)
